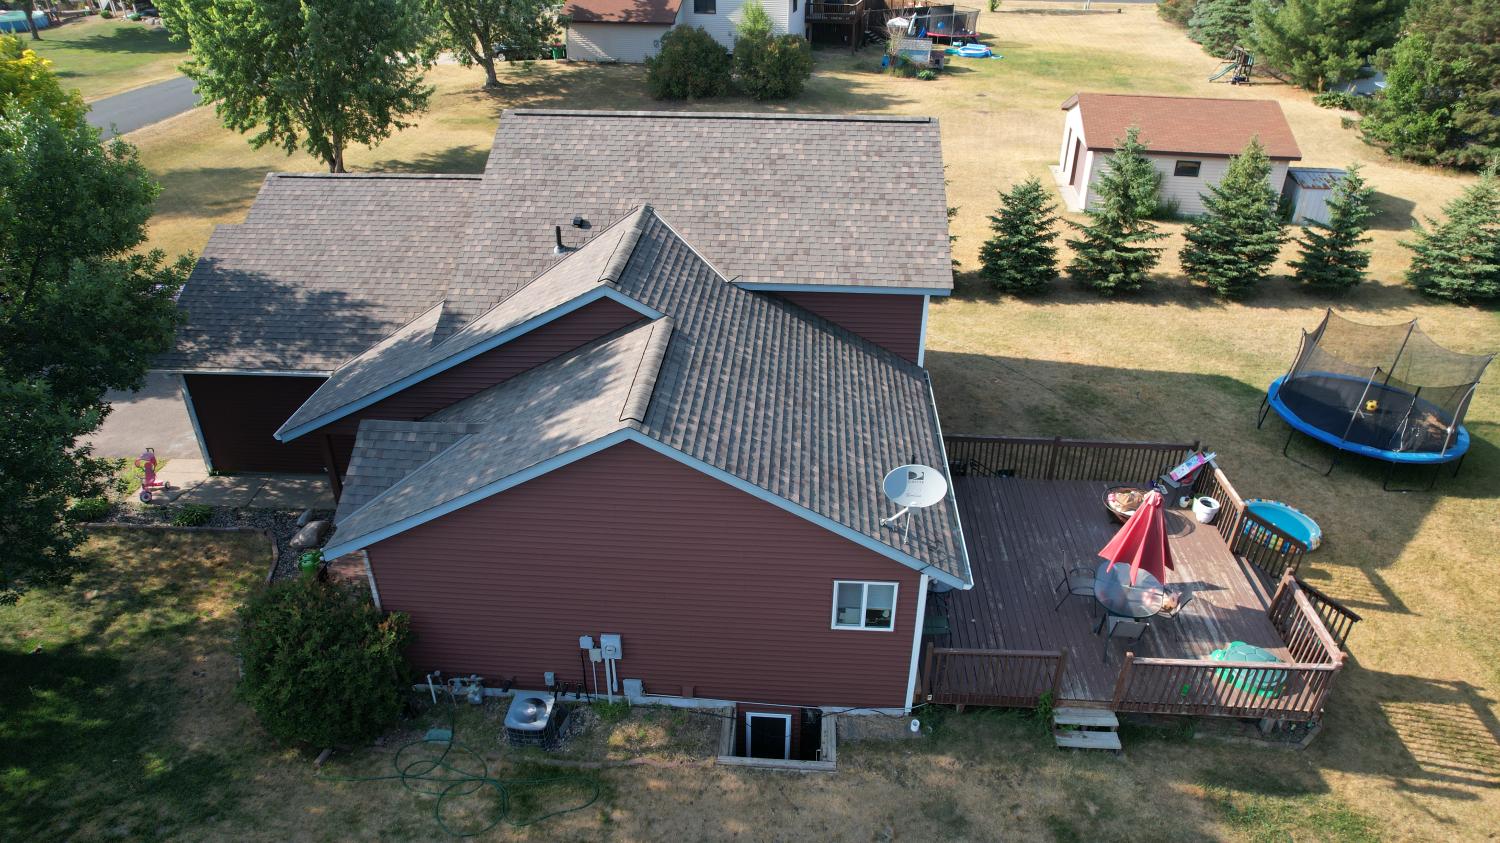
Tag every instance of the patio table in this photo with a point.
(1114, 592)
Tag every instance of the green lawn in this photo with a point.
(102, 57)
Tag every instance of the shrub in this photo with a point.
(689, 65)
(768, 67)
(926, 74)
(193, 515)
(89, 509)
(1337, 99)
(106, 14)
(611, 712)
(1176, 11)
(321, 664)
(994, 5)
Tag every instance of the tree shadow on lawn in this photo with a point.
(128, 38)
(206, 191)
(1393, 213)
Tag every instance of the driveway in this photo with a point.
(131, 110)
(154, 417)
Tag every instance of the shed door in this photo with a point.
(768, 735)
(1077, 159)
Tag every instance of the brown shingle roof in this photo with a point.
(623, 11)
(1186, 125)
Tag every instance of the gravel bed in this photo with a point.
(281, 525)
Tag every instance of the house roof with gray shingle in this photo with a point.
(324, 266)
(787, 404)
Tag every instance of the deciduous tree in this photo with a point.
(320, 74)
(26, 80)
(1239, 236)
(1333, 259)
(475, 30)
(80, 312)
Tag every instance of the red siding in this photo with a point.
(496, 366)
(238, 415)
(890, 320)
(710, 588)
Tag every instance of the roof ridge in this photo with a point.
(615, 266)
(724, 115)
(638, 398)
(393, 176)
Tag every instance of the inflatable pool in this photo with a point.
(1288, 519)
(16, 21)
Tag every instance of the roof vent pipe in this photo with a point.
(559, 248)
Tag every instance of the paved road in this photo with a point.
(143, 106)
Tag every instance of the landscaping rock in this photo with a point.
(306, 516)
(311, 535)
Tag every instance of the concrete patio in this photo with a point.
(189, 482)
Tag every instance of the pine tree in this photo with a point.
(1441, 103)
(1220, 25)
(1112, 256)
(1321, 42)
(1020, 257)
(1332, 259)
(1234, 243)
(1459, 259)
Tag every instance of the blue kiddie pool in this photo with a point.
(16, 21)
(1288, 519)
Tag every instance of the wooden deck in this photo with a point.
(1022, 534)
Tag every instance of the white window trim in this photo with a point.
(786, 750)
(864, 603)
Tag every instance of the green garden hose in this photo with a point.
(440, 777)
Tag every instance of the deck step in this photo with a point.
(1094, 718)
(1084, 739)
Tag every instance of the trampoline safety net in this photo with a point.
(1387, 387)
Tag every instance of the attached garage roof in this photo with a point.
(623, 11)
(758, 392)
(1185, 125)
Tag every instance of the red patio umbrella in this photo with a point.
(1142, 542)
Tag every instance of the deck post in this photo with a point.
(1057, 676)
(1121, 680)
(927, 673)
(1286, 578)
(1052, 455)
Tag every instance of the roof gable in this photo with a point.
(1185, 125)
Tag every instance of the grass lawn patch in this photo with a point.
(102, 57)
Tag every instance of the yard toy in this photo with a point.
(146, 465)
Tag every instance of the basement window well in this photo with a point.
(778, 738)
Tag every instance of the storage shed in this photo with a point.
(1307, 191)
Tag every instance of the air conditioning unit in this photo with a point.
(532, 720)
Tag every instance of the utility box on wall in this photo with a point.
(610, 644)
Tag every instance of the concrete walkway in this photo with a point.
(143, 106)
(190, 483)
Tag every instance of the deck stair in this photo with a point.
(1086, 728)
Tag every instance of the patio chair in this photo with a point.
(1124, 629)
(1080, 583)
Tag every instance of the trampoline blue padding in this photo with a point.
(1384, 418)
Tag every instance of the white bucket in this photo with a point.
(1205, 509)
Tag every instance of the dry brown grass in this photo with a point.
(1413, 730)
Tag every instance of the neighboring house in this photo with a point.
(628, 30)
(619, 30)
(1189, 139)
(325, 266)
(673, 429)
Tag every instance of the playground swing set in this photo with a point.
(1237, 67)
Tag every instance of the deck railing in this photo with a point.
(1063, 459)
(820, 11)
(1296, 691)
(1269, 550)
(1016, 678)
(1338, 618)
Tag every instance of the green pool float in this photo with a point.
(1262, 683)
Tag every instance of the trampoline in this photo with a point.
(1387, 392)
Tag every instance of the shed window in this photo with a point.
(864, 605)
(794, 6)
(705, 7)
(1188, 169)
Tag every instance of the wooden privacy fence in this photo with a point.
(1016, 678)
(1063, 459)
(1294, 691)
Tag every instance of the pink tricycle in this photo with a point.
(146, 465)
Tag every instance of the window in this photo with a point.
(864, 605)
(705, 7)
(1188, 169)
(794, 7)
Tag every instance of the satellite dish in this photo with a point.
(915, 486)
